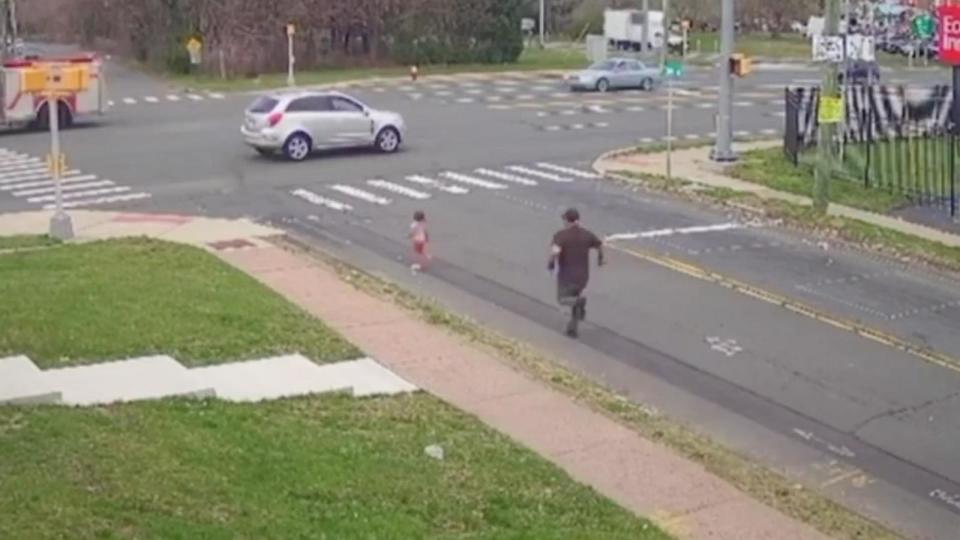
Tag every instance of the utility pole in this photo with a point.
(827, 130)
(666, 34)
(723, 151)
(8, 32)
(543, 40)
(646, 26)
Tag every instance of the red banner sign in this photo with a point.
(948, 44)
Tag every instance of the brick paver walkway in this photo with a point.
(642, 476)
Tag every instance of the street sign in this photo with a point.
(948, 44)
(827, 49)
(291, 29)
(527, 24)
(830, 110)
(923, 26)
(194, 48)
(831, 48)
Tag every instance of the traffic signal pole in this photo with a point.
(723, 150)
(827, 130)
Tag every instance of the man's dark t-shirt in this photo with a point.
(575, 244)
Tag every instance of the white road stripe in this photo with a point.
(80, 194)
(151, 99)
(215, 95)
(743, 103)
(361, 194)
(691, 137)
(100, 200)
(70, 186)
(600, 124)
(577, 126)
(769, 131)
(507, 177)
(110, 103)
(318, 200)
(705, 105)
(671, 232)
(552, 128)
(195, 97)
(424, 181)
(129, 101)
(41, 183)
(540, 174)
(398, 189)
(567, 170)
(11, 183)
(469, 180)
(172, 97)
(465, 100)
(15, 162)
(33, 168)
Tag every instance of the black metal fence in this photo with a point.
(895, 139)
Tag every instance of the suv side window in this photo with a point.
(345, 105)
(310, 104)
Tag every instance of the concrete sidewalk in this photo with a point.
(694, 165)
(644, 477)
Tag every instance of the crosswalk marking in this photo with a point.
(130, 101)
(151, 99)
(77, 195)
(464, 179)
(100, 201)
(48, 182)
(361, 194)
(194, 97)
(567, 170)
(172, 97)
(216, 95)
(424, 181)
(508, 177)
(31, 168)
(398, 189)
(71, 186)
(541, 174)
(7, 184)
(13, 161)
(320, 200)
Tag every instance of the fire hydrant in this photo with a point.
(414, 72)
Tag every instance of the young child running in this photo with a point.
(420, 238)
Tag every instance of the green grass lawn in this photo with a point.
(770, 168)
(108, 300)
(25, 241)
(532, 59)
(327, 467)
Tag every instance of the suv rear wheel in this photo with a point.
(297, 147)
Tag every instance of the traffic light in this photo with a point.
(740, 65)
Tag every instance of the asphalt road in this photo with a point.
(870, 425)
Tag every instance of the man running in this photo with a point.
(571, 251)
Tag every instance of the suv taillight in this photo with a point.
(274, 119)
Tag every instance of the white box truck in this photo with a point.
(623, 29)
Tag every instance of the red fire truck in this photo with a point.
(22, 109)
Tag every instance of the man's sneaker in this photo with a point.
(580, 309)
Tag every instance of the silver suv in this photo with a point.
(298, 122)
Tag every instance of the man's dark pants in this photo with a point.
(569, 295)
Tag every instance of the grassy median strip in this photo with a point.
(123, 298)
(26, 241)
(770, 168)
(763, 484)
(331, 466)
(532, 59)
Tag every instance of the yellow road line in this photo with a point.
(873, 334)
